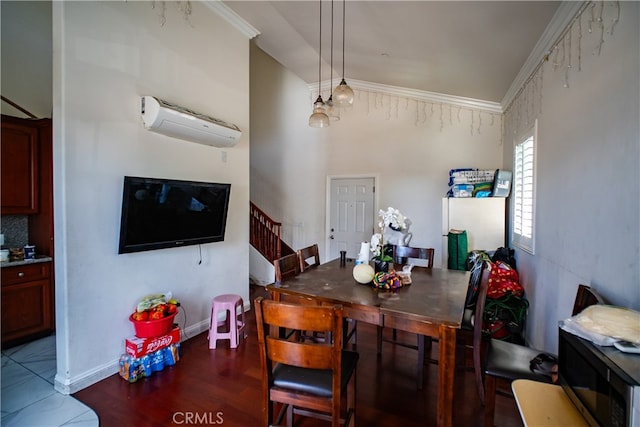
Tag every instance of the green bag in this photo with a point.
(458, 248)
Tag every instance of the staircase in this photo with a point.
(264, 235)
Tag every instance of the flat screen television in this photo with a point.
(164, 213)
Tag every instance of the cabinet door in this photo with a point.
(19, 187)
(27, 302)
(26, 310)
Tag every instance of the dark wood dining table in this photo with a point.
(432, 305)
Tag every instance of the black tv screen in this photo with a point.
(163, 213)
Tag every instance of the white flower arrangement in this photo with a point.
(393, 219)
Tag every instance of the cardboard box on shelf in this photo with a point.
(138, 347)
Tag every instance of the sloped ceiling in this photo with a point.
(471, 49)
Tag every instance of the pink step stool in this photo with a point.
(233, 307)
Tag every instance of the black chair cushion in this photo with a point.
(512, 361)
(314, 381)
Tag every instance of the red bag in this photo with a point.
(502, 280)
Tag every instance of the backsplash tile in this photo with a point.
(15, 229)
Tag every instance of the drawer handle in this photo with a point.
(21, 274)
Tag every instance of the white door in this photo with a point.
(351, 203)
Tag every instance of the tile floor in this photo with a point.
(28, 398)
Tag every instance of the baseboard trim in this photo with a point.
(92, 376)
(72, 385)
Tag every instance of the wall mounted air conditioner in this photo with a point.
(179, 122)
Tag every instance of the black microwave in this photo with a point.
(603, 382)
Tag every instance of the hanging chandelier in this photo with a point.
(343, 93)
(319, 118)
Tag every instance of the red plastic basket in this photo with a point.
(153, 328)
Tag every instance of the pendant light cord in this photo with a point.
(331, 78)
(320, 52)
(343, 22)
(319, 117)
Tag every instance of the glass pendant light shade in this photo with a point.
(319, 118)
(332, 110)
(344, 95)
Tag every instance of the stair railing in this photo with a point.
(264, 234)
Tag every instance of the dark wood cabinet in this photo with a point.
(27, 302)
(21, 143)
(20, 165)
(41, 223)
(27, 189)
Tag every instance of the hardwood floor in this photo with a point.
(222, 387)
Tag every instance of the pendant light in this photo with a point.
(343, 93)
(332, 109)
(319, 118)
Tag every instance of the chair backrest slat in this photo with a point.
(273, 315)
(304, 355)
(286, 267)
(402, 254)
(308, 257)
(585, 297)
(297, 316)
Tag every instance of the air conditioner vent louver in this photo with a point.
(179, 122)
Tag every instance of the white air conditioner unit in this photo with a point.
(179, 122)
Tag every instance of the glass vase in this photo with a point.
(381, 266)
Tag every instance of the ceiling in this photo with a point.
(471, 49)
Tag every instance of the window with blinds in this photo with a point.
(523, 192)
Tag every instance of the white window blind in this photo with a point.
(523, 193)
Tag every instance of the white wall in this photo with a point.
(412, 146)
(108, 54)
(588, 181)
(288, 162)
(409, 145)
(26, 78)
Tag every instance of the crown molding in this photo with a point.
(418, 95)
(567, 11)
(233, 18)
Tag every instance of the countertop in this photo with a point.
(541, 404)
(38, 259)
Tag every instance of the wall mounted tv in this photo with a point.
(164, 213)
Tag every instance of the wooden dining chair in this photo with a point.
(308, 257)
(286, 267)
(585, 296)
(506, 362)
(404, 255)
(306, 377)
